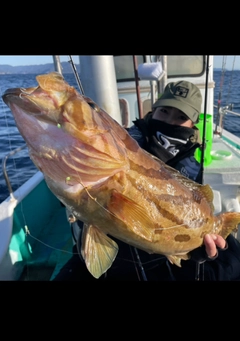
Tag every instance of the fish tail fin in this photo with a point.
(230, 223)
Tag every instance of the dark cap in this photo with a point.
(184, 96)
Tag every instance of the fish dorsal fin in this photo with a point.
(203, 191)
(98, 250)
(133, 215)
(230, 223)
(207, 192)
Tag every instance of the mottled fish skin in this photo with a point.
(106, 180)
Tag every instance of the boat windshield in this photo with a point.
(185, 66)
(177, 66)
(124, 67)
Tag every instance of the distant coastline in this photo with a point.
(35, 69)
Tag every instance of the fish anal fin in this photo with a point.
(176, 259)
(98, 250)
(132, 214)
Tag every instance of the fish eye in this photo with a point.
(94, 106)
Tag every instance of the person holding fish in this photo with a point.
(133, 197)
(169, 133)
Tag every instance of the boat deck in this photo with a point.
(223, 175)
(51, 250)
(225, 160)
(41, 241)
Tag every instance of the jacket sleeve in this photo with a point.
(199, 255)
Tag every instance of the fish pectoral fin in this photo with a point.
(133, 215)
(176, 259)
(97, 249)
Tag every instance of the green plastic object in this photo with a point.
(208, 139)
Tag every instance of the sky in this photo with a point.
(35, 60)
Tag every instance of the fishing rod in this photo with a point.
(204, 122)
(140, 265)
(76, 75)
(198, 264)
(137, 87)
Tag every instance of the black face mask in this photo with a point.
(175, 140)
(174, 131)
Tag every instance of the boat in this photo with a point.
(37, 233)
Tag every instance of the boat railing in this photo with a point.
(222, 111)
(4, 169)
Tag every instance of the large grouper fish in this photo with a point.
(99, 172)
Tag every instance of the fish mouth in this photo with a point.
(33, 102)
(18, 96)
(46, 101)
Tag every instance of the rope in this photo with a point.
(222, 79)
(220, 94)
(230, 83)
(222, 110)
(229, 92)
(222, 118)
